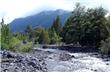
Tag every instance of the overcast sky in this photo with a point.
(11, 9)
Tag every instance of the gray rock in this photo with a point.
(7, 54)
(22, 63)
(65, 56)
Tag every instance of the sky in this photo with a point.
(11, 9)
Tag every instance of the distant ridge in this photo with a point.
(43, 19)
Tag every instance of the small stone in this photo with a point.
(95, 70)
(50, 57)
(73, 56)
(5, 70)
(107, 63)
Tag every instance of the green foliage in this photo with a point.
(54, 37)
(30, 33)
(17, 45)
(14, 43)
(88, 27)
(44, 37)
(72, 27)
(94, 29)
(5, 35)
(57, 25)
(25, 47)
(4, 46)
(37, 33)
(108, 24)
(55, 31)
(20, 36)
(105, 46)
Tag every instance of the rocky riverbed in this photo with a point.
(53, 60)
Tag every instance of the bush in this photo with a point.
(4, 46)
(105, 46)
(14, 44)
(25, 47)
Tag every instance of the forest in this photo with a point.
(86, 27)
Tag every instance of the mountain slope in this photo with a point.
(44, 19)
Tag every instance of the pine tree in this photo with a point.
(30, 33)
(72, 28)
(44, 37)
(57, 25)
(54, 37)
(5, 35)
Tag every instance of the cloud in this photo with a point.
(11, 9)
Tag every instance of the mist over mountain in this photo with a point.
(42, 19)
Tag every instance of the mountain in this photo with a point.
(43, 19)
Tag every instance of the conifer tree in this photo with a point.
(5, 35)
(30, 33)
(57, 25)
(44, 37)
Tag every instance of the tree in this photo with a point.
(5, 35)
(44, 37)
(105, 44)
(20, 36)
(72, 28)
(57, 25)
(67, 31)
(54, 37)
(88, 27)
(13, 42)
(37, 32)
(30, 33)
(94, 28)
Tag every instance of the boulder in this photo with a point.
(65, 56)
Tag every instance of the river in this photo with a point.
(58, 61)
(81, 62)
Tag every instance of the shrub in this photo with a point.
(4, 46)
(11, 45)
(14, 44)
(25, 47)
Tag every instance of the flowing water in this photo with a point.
(78, 62)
